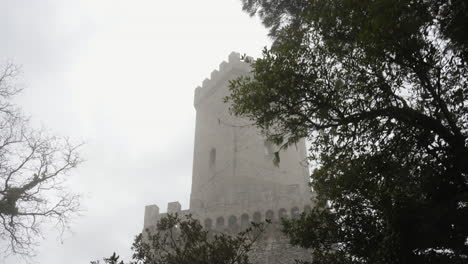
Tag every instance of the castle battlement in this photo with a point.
(234, 63)
(227, 221)
(152, 214)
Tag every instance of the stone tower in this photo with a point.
(234, 180)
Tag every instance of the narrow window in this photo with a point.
(212, 157)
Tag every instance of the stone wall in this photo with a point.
(273, 246)
(277, 250)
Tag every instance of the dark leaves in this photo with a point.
(182, 240)
(379, 89)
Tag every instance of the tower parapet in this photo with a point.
(234, 63)
(151, 216)
(173, 207)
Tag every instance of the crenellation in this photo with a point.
(174, 207)
(151, 215)
(214, 75)
(234, 57)
(224, 70)
(173, 211)
(223, 66)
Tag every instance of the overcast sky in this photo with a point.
(120, 75)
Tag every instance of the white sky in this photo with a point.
(120, 75)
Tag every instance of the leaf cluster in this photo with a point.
(380, 89)
(182, 240)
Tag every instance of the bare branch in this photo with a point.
(33, 170)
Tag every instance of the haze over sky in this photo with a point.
(120, 76)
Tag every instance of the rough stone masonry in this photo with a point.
(234, 180)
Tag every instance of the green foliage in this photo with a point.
(179, 240)
(380, 89)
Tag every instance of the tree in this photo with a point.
(380, 90)
(182, 240)
(33, 169)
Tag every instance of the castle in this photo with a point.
(234, 180)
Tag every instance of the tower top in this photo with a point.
(209, 85)
(233, 167)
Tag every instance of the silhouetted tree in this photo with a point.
(113, 259)
(33, 167)
(182, 240)
(380, 90)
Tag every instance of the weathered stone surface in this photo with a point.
(234, 180)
